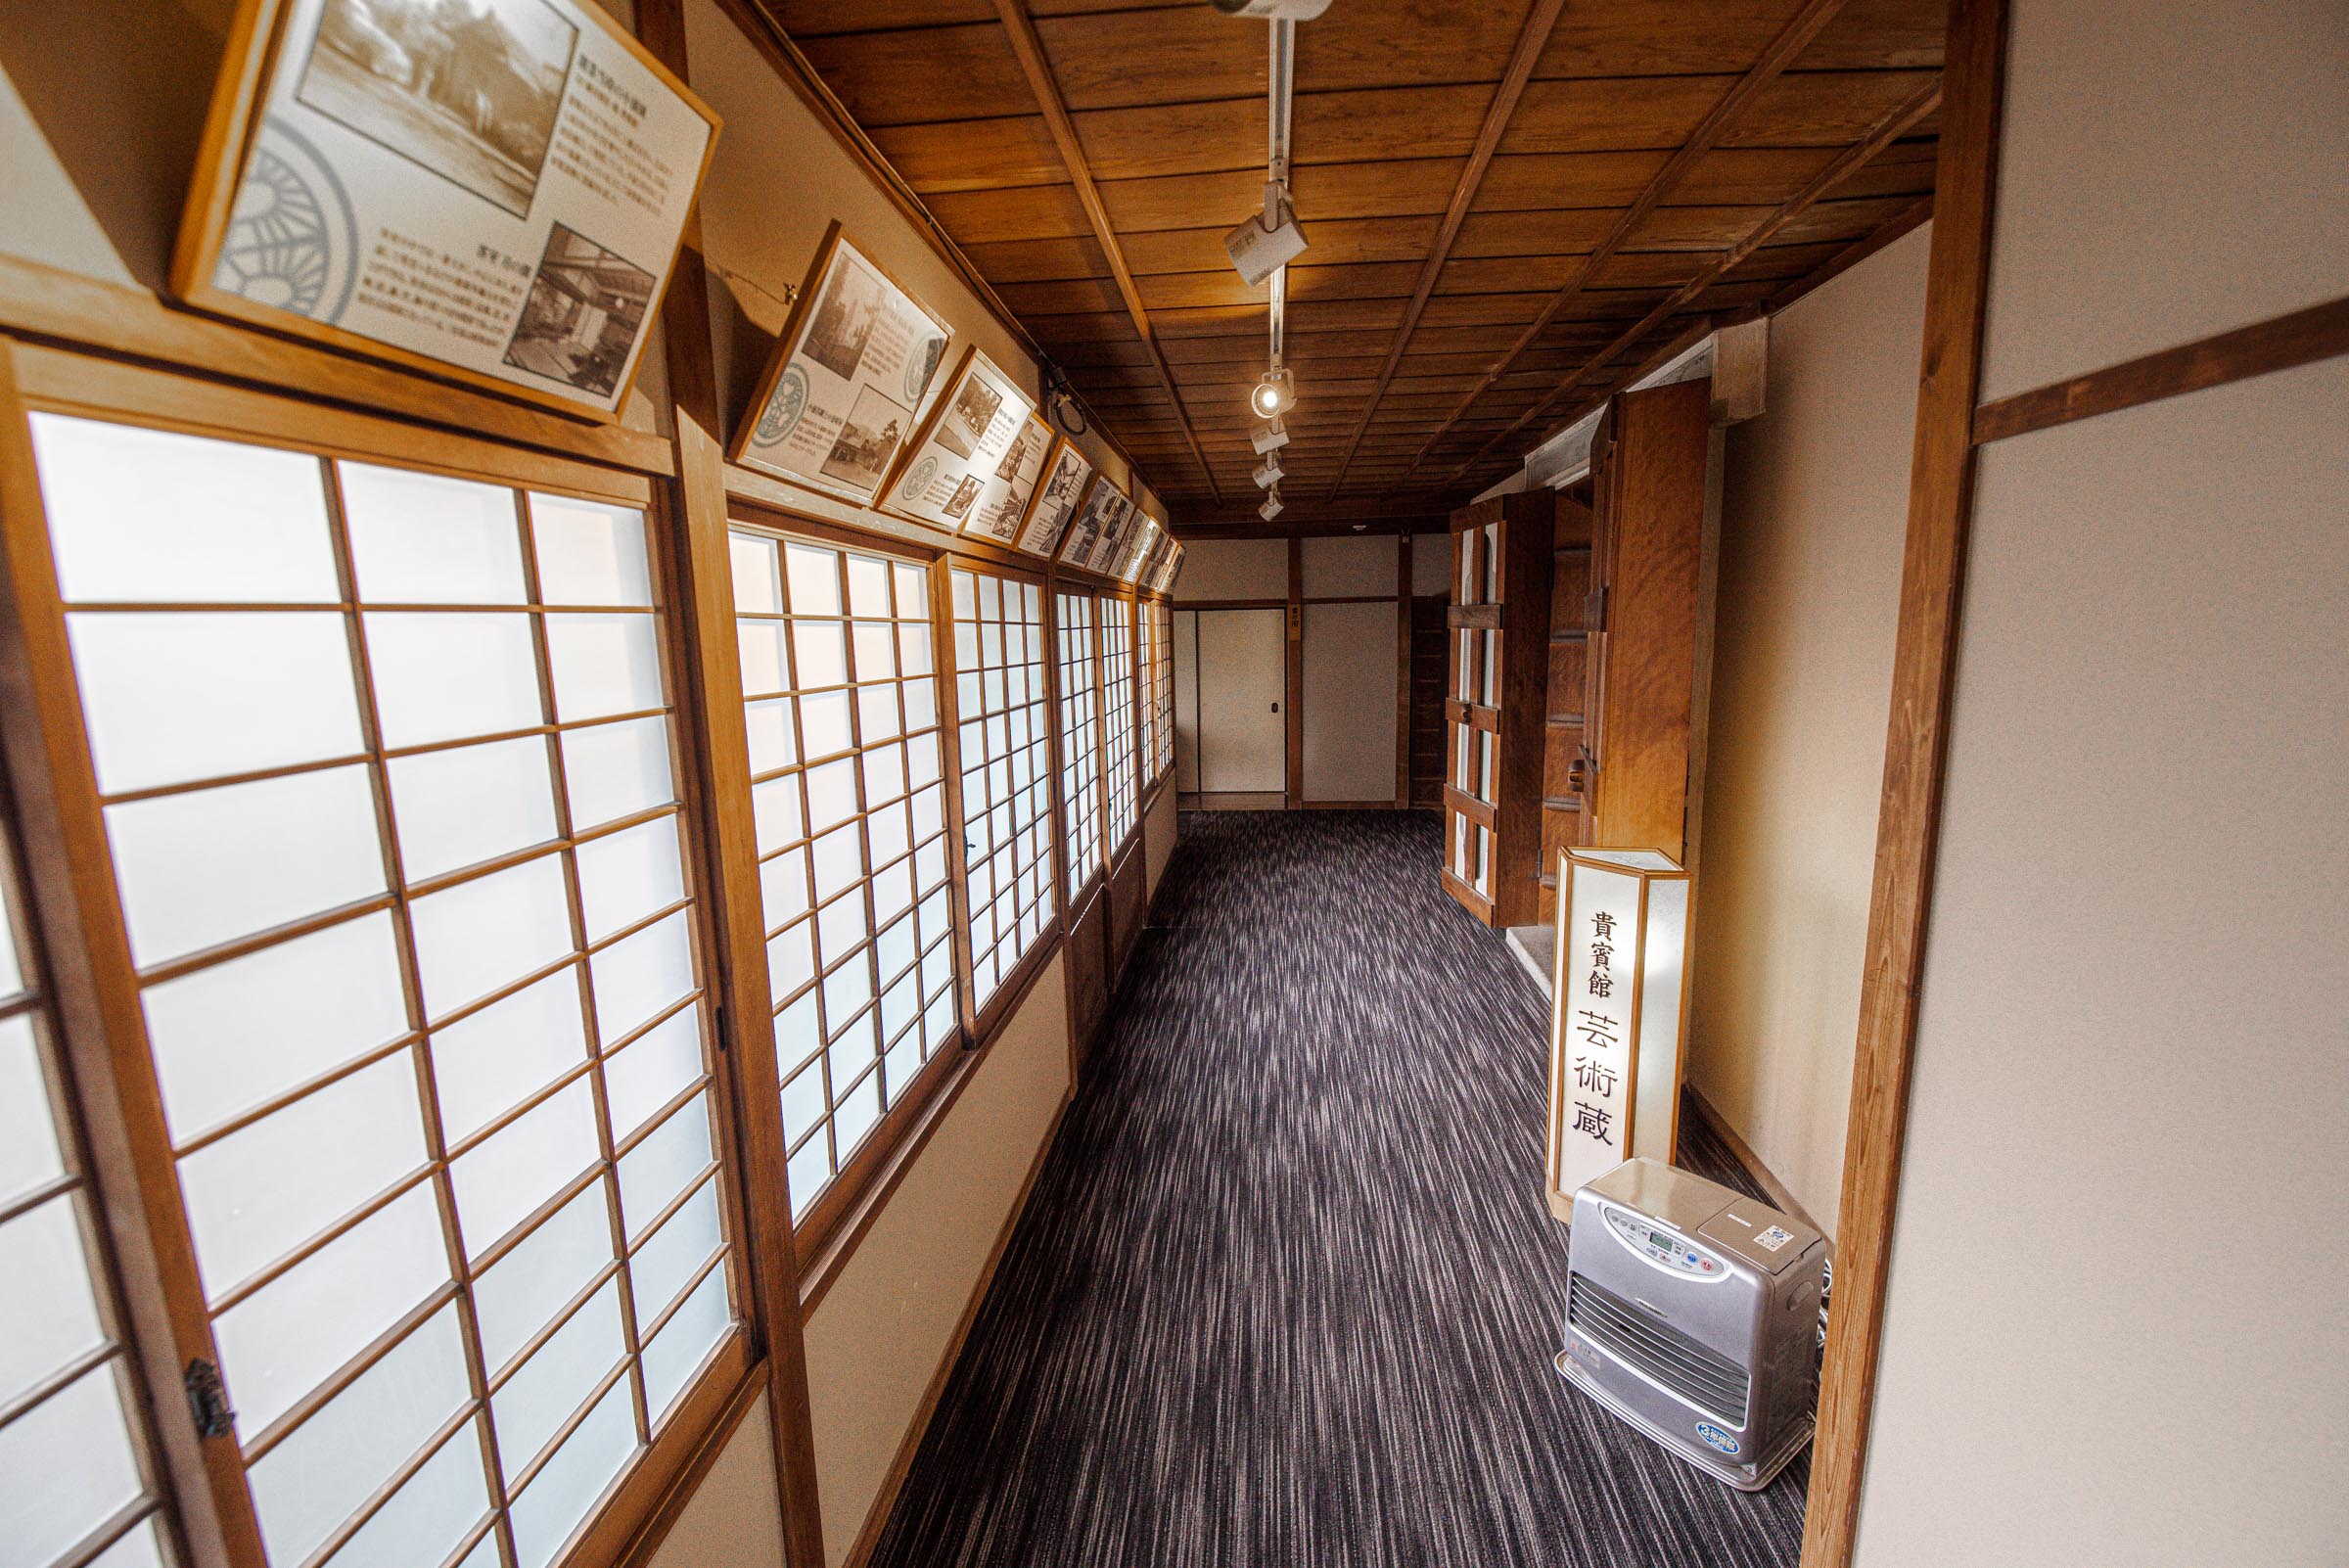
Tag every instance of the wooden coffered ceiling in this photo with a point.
(1513, 207)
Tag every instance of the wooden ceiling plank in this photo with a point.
(1921, 104)
(1782, 51)
(1029, 50)
(1531, 38)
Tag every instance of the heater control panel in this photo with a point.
(1661, 1247)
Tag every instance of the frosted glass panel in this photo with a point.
(479, 935)
(136, 1549)
(145, 516)
(668, 1258)
(654, 1070)
(625, 876)
(29, 1153)
(638, 977)
(820, 652)
(284, 1340)
(523, 1290)
(489, 1062)
(424, 539)
(830, 794)
(762, 647)
(809, 1173)
(423, 1522)
(868, 586)
(685, 1342)
(471, 804)
(824, 723)
(604, 664)
(67, 1465)
(556, 1380)
(775, 813)
(313, 1480)
(616, 770)
(656, 1170)
(179, 696)
(523, 1164)
(207, 866)
(444, 676)
(560, 1496)
(350, 1140)
(227, 1037)
(47, 1314)
(758, 588)
(589, 552)
(773, 743)
(815, 580)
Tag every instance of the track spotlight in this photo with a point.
(1274, 392)
(1269, 437)
(1267, 473)
(1271, 507)
(1267, 241)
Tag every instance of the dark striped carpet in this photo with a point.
(1286, 1294)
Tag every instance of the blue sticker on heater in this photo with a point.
(1714, 1437)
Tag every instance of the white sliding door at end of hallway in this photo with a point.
(1237, 735)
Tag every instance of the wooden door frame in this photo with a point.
(1915, 753)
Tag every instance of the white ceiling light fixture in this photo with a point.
(1268, 473)
(1270, 437)
(1266, 243)
(1271, 507)
(1274, 394)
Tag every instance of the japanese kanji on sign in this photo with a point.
(1619, 1000)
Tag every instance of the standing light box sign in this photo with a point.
(1620, 1003)
(493, 190)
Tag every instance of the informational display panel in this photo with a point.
(975, 457)
(1590, 1026)
(1141, 540)
(1169, 569)
(1155, 561)
(1115, 527)
(490, 189)
(1055, 502)
(1103, 504)
(840, 397)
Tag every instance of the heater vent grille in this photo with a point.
(1702, 1377)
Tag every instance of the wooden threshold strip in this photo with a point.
(2281, 343)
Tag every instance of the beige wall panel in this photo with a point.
(2115, 1300)
(1815, 505)
(1186, 699)
(1347, 566)
(1350, 677)
(1431, 565)
(879, 1334)
(2174, 169)
(733, 1519)
(1235, 569)
(1243, 673)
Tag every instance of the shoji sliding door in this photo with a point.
(1079, 738)
(1119, 768)
(363, 744)
(1005, 753)
(849, 806)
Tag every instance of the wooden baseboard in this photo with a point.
(877, 1517)
(1777, 1190)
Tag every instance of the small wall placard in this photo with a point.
(980, 445)
(1055, 501)
(840, 398)
(493, 190)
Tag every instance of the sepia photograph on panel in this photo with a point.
(468, 89)
(584, 310)
(868, 440)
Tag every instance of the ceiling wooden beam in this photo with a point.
(1531, 41)
(1029, 48)
(1791, 41)
(1850, 256)
(1888, 129)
